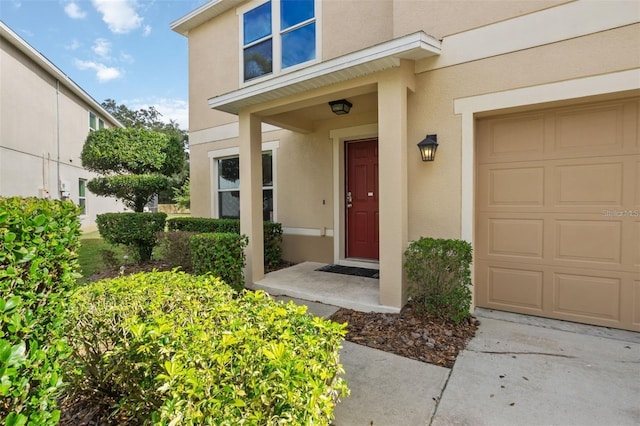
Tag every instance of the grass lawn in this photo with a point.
(91, 245)
(89, 254)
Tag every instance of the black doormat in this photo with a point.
(350, 270)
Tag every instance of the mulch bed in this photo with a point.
(410, 333)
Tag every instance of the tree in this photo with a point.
(150, 119)
(137, 163)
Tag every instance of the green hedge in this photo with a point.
(439, 272)
(136, 230)
(174, 348)
(38, 266)
(220, 254)
(272, 233)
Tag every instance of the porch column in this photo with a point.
(392, 169)
(251, 194)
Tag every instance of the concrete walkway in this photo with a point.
(512, 373)
(304, 282)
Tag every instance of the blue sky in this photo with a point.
(118, 49)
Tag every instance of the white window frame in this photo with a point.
(220, 154)
(276, 37)
(82, 198)
(99, 122)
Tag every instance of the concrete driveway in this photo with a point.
(518, 374)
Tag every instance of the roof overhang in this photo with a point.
(353, 65)
(54, 71)
(202, 14)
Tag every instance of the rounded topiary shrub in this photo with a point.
(136, 230)
(180, 349)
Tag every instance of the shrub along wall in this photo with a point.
(439, 272)
(220, 254)
(174, 348)
(272, 233)
(38, 266)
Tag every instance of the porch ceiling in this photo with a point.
(353, 65)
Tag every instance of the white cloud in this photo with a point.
(74, 45)
(103, 73)
(125, 57)
(171, 109)
(147, 30)
(119, 15)
(73, 11)
(101, 47)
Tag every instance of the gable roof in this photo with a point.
(24, 47)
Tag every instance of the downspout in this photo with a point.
(58, 137)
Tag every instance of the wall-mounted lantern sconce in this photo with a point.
(340, 107)
(428, 147)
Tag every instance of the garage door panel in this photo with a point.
(515, 288)
(637, 188)
(557, 225)
(587, 296)
(590, 129)
(635, 243)
(589, 184)
(508, 138)
(516, 237)
(590, 241)
(636, 303)
(515, 187)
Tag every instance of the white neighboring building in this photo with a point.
(44, 121)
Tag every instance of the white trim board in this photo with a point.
(308, 232)
(222, 132)
(562, 22)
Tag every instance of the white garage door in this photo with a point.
(558, 213)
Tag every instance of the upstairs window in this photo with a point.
(277, 35)
(82, 195)
(95, 123)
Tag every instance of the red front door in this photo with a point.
(362, 199)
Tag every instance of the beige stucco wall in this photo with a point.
(348, 26)
(305, 174)
(307, 165)
(214, 65)
(443, 18)
(42, 132)
(434, 188)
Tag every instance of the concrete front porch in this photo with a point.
(304, 282)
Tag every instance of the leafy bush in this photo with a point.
(272, 244)
(272, 233)
(182, 195)
(137, 230)
(175, 249)
(440, 275)
(38, 266)
(179, 349)
(220, 254)
(137, 163)
(203, 224)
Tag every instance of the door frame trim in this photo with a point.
(338, 137)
